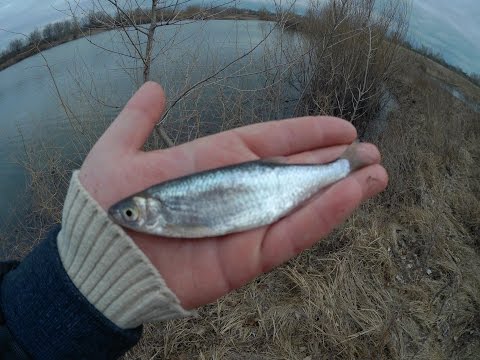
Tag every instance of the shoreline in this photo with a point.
(46, 45)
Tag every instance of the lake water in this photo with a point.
(95, 84)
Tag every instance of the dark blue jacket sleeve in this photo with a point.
(49, 318)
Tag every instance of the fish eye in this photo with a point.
(130, 214)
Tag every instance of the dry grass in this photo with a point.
(444, 75)
(48, 166)
(399, 280)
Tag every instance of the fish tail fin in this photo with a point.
(358, 156)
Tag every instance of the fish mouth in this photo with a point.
(114, 214)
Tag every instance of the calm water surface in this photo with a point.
(95, 84)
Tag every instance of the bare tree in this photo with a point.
(48, 32)
(58, 30)
(76, 27)
(475, 77)
(150, 39)
(351, 47)
(34, 37)
(138, 28)
(15, 46)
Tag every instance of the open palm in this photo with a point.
(201, 270)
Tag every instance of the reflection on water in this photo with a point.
(94, 84)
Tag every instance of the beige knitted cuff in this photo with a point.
(108, 268)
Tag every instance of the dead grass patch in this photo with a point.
(399, 280)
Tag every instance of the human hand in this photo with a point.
(199, 271)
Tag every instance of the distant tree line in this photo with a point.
(58, 31)
(51, 35)
(295, 22)
(63, 31)
(438, 57)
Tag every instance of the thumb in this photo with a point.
(133, 125)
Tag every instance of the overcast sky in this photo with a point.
(450, 27)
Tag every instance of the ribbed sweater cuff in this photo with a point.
(108, 268)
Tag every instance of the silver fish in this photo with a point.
(229, 199)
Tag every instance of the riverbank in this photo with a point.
(450, 78)
(43, 44)
(399, 280)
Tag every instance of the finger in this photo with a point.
(133, 125)
(276, 138)
(287, 137)
(316, 219)
(325, 155)
(317, 156)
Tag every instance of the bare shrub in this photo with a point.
(15, 46)
(475, 78)
(352, 46)
(34, 37)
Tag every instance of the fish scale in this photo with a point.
(226, 200)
